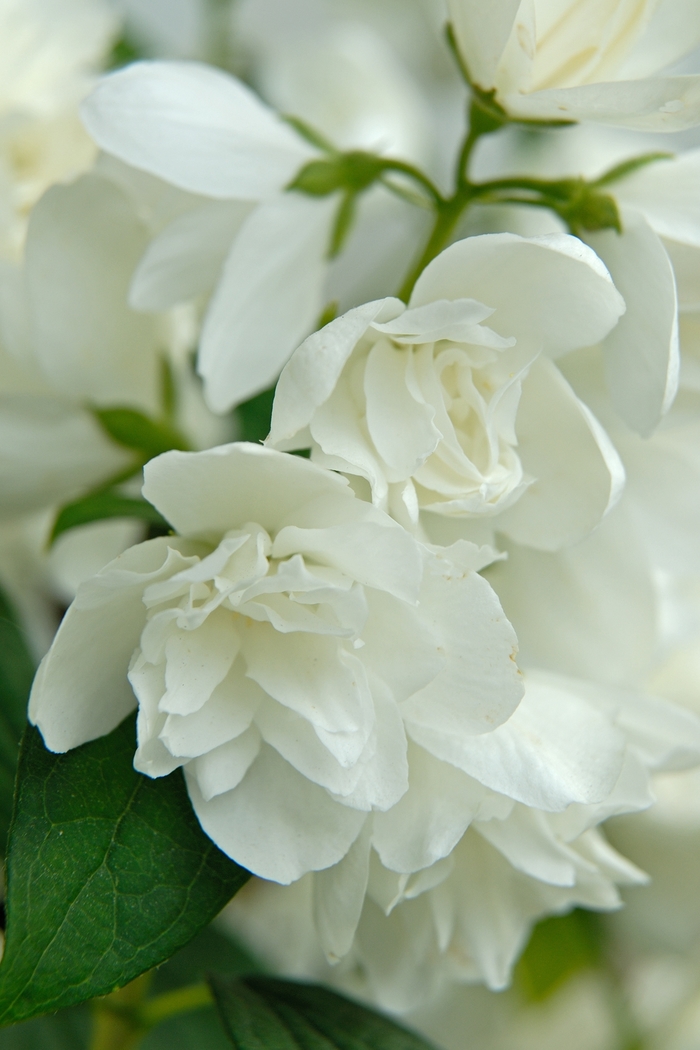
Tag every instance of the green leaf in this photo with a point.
(108, 874)
(67, 1030)
(558, 948)
(16, 674)
(100, 505)
(263, 1013)
(135, 430)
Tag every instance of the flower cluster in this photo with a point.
(404, 636)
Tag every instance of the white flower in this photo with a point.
(69, 340)
(571, 60)
(49, 50)
(263, 251)
(279, 649)
(444, 414)
(528, 851)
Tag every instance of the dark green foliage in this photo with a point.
(254, 416)
(101, 505)
(137, 431)
(109, 873)
(16, 674)
(263, 1013)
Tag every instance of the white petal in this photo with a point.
(666, 736)
(428, 822)
(554, 750)
(664, 473)
(578, 475)
(528, 843)
(685, 259)
(83, 244)
(310, 377)
(276, 823)
(269, 296)
(480, 686)
(293, 737)
(312, 675)
(197, 661)
(567, 615)
(50, 451)
(482, 32)
(550, 292)
(641, 354)
(339, 893)
(666, 194)
(185, 259)
(654, 104)
(233, 484)
(401, 646)
(81, 690)
(228, 713)
(672, 32)
(196, 127)
(378, 555)
(400, 426)
(385, 774)
(223, 768)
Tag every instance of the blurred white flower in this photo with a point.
(280, 648)
(530, 850)
(263, 251)
(50, 51)
(69, 340)
(446, 415)
(591, 61)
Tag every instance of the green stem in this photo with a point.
(116, 1025)
(121, 1020)
(417, 176)
(170, 1004)
(448, 215)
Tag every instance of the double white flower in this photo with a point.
(280, 649)
(582, 59)
(262, 251)
(448, 417)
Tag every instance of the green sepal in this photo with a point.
(134, 430)
(98, 506)
(628, 167)
(355, 172)
(108, 874)
(588, 209)
(262, 1013)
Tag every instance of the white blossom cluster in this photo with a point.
(409, 673)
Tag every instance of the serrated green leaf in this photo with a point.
(263, 1013)
(97, 506)
(558, 948)
(137, 431)
(108, 874)
(16, 674)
